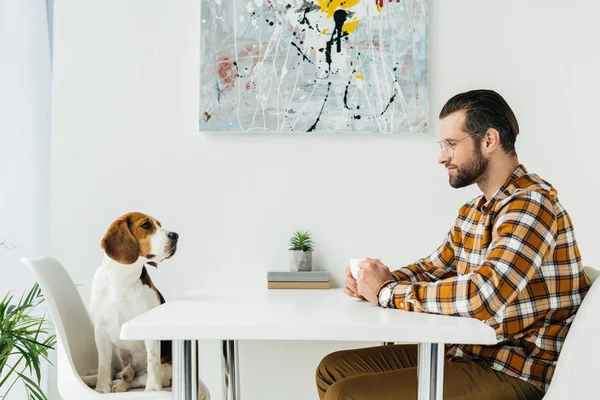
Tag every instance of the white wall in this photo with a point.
(125, 138)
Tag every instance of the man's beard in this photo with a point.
(470, 172)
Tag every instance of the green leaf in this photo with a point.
(35, 391)
(12, 369)
(36, 366)
(301, 240)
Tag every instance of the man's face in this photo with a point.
(466, 163)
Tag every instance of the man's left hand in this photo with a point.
(371, 275)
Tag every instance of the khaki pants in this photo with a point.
(390, 373)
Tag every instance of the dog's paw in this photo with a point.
(153, 387)
(128, 373)
(203, 393)
(90, 380)
(103, 388)
(119, 386)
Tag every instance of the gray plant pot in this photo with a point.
(300, 260)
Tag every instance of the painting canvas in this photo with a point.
(314, 65)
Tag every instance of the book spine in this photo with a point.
(294, 279)
(297, 277)
(298, 285)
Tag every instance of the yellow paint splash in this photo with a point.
(360, 77)
(351, 26)
(330, 6)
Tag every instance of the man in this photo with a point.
(510, 260)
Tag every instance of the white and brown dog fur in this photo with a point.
(121, 290)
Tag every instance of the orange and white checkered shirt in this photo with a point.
(513, 262)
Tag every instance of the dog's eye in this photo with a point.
(146, 225)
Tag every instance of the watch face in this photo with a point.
(384, 299)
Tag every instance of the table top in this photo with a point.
(294, 314)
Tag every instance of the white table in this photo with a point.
(280, 314)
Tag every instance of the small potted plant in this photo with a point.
(301, 248)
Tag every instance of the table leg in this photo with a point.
(231, 384)
(430, 371)
(185, 370)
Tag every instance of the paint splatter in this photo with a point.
(312, 128)
(226, 71)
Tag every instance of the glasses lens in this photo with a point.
(445, 146)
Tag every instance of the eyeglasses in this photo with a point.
(449, 147)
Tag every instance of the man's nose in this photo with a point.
(173, 235)
(443, 158)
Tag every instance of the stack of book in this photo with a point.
(298, 280)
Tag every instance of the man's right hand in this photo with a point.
(350, 287)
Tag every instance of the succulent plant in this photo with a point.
(301, 241)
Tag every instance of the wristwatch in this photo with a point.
(384, 296)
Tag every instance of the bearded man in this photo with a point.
(510, 260)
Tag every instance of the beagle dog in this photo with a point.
(121, 290)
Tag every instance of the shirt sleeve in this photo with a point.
(524, 232)
(439, 265)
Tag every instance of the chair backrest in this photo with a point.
(74, 327)
(576, 370)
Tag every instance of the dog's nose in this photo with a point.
(173, 235)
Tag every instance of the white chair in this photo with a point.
(576, 370)
(76, 348)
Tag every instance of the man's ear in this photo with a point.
(491, 140)
(119, 244)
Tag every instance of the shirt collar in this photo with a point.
(484, 205)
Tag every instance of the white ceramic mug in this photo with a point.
(354, 266)
(354, 262)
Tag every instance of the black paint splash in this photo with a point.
(346, 91)
(308, 7)
(301, 53)
(393, 96)
(339, 17)
(312, 128)
(346, 106)
(389, 103)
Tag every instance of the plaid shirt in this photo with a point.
(512, 262)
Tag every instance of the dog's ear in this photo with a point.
(119, 243)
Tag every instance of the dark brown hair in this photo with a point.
(485, 109)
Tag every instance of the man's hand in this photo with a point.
(371, 275)
(350, 285)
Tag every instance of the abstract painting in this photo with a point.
(314, 65)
